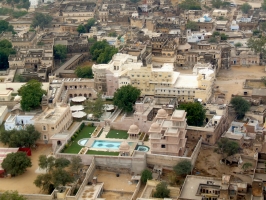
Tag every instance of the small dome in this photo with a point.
(133, 128)
(17, 98)
(155, 126)
(124, 146)
(161, 113)
(250, 52)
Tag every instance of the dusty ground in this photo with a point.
(111, 182)
(87, 63)
(208, 164)
(116, 196)
(24, 183)
(231, 81)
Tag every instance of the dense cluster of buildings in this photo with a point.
(168, 61)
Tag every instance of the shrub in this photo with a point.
(146, 175)
(73, 138)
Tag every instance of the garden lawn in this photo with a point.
(104, 153)
(120, 135)
(84, 133)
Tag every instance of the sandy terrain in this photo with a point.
(111, 182)
(208, 164)
(231, 81)
(24, 183)
(116, 196)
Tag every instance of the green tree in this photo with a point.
(192, 25)
(102, 52)
(238, 44)
(19, 78)
(46, 163)
(263, 26)
(161, 191)
(76, 165)
(217, 3)
(263, 5)
(258, 45)
(112, 34)
(134, 1)
(195, 113)
(182, 168)
(61, 163)
(60, 52)
(31, 95)
(5, 26)
(11, 195)
(190, 5)
(84, 72)
(20, 138)
(41, 20)
(227, 147)
(5, 50)
(146, 175)
(89, 24)
(245, 8)
(246, 166)
(240, 105)
(96, 107)
(16, 163)
(223, 36)
(81, 29)
(125, 97)
(44, 181)
(61, 177)
(212, 40)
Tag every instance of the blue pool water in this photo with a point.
(142, 148)
(105, 144)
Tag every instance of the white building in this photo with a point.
(18, 121)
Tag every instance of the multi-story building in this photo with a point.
(77, 12)
(168, 135)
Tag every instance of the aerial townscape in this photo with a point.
(133, 99)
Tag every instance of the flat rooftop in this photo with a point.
(186, 81)
(51, 116)
(192, 183)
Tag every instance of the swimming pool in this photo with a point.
(143, 148)
(105, 144)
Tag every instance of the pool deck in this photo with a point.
(92, 140)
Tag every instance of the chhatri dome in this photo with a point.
(124, 147)
(161, 113)
(133, 128)
(154, 127)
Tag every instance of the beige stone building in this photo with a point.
(77, 12)
(53, 120)
(168, 135)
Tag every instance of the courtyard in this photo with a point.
(24, 183)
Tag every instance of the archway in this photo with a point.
(59, 143)
(80, 95)
(89, 94)
(85, 95)
(70, 95)
(75, 95)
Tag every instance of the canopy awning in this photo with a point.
(78, 99)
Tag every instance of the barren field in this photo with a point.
(24, 183)
(116, 196)
(231, 81)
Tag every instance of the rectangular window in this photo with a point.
(163, 146)
(44, 137)
(44, 128)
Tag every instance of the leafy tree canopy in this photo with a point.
(84, 72)
(12, 12)
(31, 95)
(16, 163)
(263, 5)
(219, 3)
(238, 44)
(56, 175)
(76, 165)
(240, 105)
(192, 26)
(195, 113)
(245, 8)
(102, 52)
(112, 34)
(60, 52)
(258, 45)
(41, 20)
(5, 26)
(134, 1)
(81, 29)
(19, 3)
(96, 107)
(5, 50)
(161, 191)
(86, 28)
(227, 147)
(11, 195)
(182, 168)
(146, 175)
(246, 166)
(190, 5)
(20, 138)
(125, 97)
